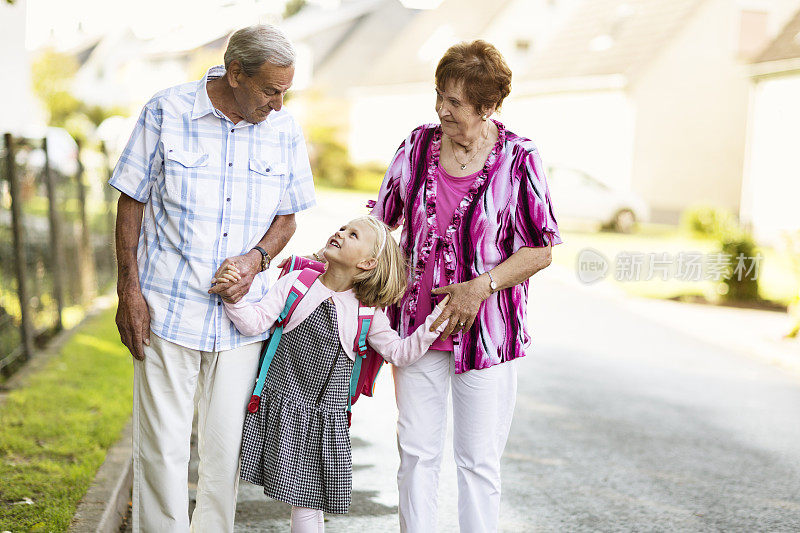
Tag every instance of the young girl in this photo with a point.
(297, 444)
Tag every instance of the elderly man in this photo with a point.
(213, 172)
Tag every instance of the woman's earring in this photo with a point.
(484, 117)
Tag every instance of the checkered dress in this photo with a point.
(297, 445)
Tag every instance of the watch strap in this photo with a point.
(492, 284)
(265, 258)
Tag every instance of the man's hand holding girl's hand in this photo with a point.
(234, 276)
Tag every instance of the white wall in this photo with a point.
(772, 183)
(21, 110)
(588, 130)
(380, 118)
(120, 73)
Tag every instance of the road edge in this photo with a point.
(105, 504)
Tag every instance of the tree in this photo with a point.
(293, 7)
(52, 73)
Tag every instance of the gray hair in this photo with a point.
(255, 45)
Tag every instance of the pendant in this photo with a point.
(463, 167)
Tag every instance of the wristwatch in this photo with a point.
(492, 284)
(265, 258)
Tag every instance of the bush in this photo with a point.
(792, 240)
(707, 222)
(740, 281)
(331, 165)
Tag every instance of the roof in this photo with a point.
(355, 53)
(607, 37)
(786, 45)
(415, 50)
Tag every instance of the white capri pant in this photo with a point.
(483, 405)
(166, 387)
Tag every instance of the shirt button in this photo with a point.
(227, 199)
(224, 234)
(219, 303)
(230, 164)
(231, 130)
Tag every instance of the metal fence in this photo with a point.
(56, 242)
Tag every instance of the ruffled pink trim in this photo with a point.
(446, 241)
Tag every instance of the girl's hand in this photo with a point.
(229, 275)
(234, 276)
(463, 305)
(443, 303)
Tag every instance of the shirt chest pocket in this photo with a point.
(184, 174)
(266, 184)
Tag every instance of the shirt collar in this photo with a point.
(202, 103)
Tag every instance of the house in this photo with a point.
(24, 111)
(647, 95)
(339, 48)
(396, 94)
(772, 170)
(129, 63)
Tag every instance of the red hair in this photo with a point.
(481, 71)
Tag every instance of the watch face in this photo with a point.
(493, 285)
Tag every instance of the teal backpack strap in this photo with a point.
(299, 289)
(365, 315)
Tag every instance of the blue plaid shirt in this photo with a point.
(211, 190)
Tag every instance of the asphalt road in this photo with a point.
(621, 424)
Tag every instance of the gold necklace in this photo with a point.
(464, 165)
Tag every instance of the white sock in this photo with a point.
(306, 520)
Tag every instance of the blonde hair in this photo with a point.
(385, 284)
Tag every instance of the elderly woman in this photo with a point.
(477, 223)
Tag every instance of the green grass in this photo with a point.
(777, 282)
(55, 431)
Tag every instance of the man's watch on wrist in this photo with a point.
(492, 284)
(265, 258)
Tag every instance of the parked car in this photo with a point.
(578, 196)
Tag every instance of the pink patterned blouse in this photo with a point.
(507, 208)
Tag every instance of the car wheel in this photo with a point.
(624, 221)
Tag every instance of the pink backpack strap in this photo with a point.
(299, 289)
(296, 292)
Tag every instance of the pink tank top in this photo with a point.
(450, 191)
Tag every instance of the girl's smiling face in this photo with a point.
(352, 244)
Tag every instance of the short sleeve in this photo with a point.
(389, 205)
(535, 223)
(300, 191)
(141, 160)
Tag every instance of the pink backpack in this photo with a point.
(368, 362)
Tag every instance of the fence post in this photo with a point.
(56, 257)
(85, 248)
(26, 329)
(108, 192)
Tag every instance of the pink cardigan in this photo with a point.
(252, 318)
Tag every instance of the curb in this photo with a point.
(105, 504)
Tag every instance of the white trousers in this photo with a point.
(166, 387)
(483, 405)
